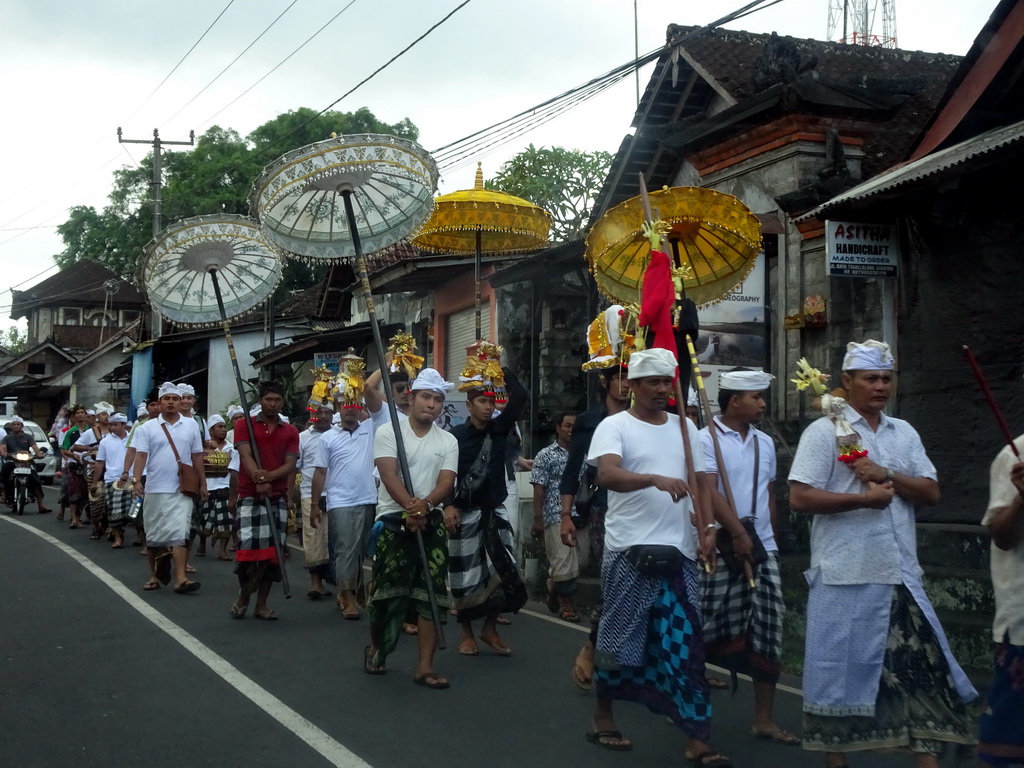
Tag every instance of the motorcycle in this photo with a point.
(22, 480)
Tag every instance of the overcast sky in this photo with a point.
(75, 71)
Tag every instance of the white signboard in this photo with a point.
(861, 250)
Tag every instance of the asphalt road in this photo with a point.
(98, 673)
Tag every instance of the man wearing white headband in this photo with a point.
(188, 409)
(743, 623)
(340, 472)
(651, 554)
(106, 476)
(85, 449)
(161, 444)
(150, 409)
(400, 585)
(217, 513)
(875, 649)
(234, 413)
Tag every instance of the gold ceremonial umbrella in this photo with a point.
(477, 221)
(712, 234)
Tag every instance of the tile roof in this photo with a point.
(728, 63)
(732, 58)
(80, 284)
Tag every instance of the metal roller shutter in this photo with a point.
(460, 332)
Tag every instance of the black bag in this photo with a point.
(725, 547)
(723, 538)
(655, 559)
(474, 479)
(584, 500)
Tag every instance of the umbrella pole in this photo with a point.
(702, 394)
(691, 472)
(274, 533)
(403, 459)
(476, 279)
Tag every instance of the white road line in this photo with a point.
(310, 734)
(567, 625)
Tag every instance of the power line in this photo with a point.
(234, 60)
(175, 68)
(300, 126)
(308, 40)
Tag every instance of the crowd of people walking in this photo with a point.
(688, 558)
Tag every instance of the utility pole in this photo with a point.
(157, 182)
(156, 325)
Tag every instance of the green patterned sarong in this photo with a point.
(399, 586)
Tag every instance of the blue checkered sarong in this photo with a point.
(669, 680)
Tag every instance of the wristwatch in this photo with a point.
(890, 475)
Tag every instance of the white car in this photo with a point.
(50, 462)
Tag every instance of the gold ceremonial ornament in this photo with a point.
(215, 463)
(483, 370)
(321, 394)
(348, 385)
(712, 240)
(402, 348)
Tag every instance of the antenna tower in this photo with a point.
(856, 22)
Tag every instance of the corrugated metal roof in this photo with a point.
(932, 165)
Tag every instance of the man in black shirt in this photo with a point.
(484, 575)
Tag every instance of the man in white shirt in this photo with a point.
(399, 580)
(160, 444)
(188, 409)
(344, 470)
(1001, 737)
(878, 672)
(107, 474)
(315, 549)
(743, 623)
(650, 576)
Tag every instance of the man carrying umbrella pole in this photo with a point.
(399, 579)
(259, 488)
(743, 616)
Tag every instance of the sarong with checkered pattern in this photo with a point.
(653, 655)
(743, 624)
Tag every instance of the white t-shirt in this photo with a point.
(738, 455)
(111, 451)
(220, 483)
(348, 459)
(647, 516)
(161, 467)
(1007, 566)
(428, 456)
(309, 442)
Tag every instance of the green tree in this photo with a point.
(14, 340)
(215, 176)
(562, 181)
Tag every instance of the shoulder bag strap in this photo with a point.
(169, 440)
(757, 467)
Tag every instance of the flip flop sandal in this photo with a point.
(601, 739)
(237, 611)
(410, 629)
(149, 586)
(369, 667)
(501, 650)
(717, 760)
(468, 650)
(431, 680)
(265, 615)
(187, 587)
(571, 616)
(776, 736)
(502, 621)
(717, 684)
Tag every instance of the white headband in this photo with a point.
(169, 388)
(745, 381)
(214, 420)
(651, 362)
(429, 379)
(118, 418)
(103, 408)
(870, 356)
(187, 389)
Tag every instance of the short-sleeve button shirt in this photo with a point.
(548, 466)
